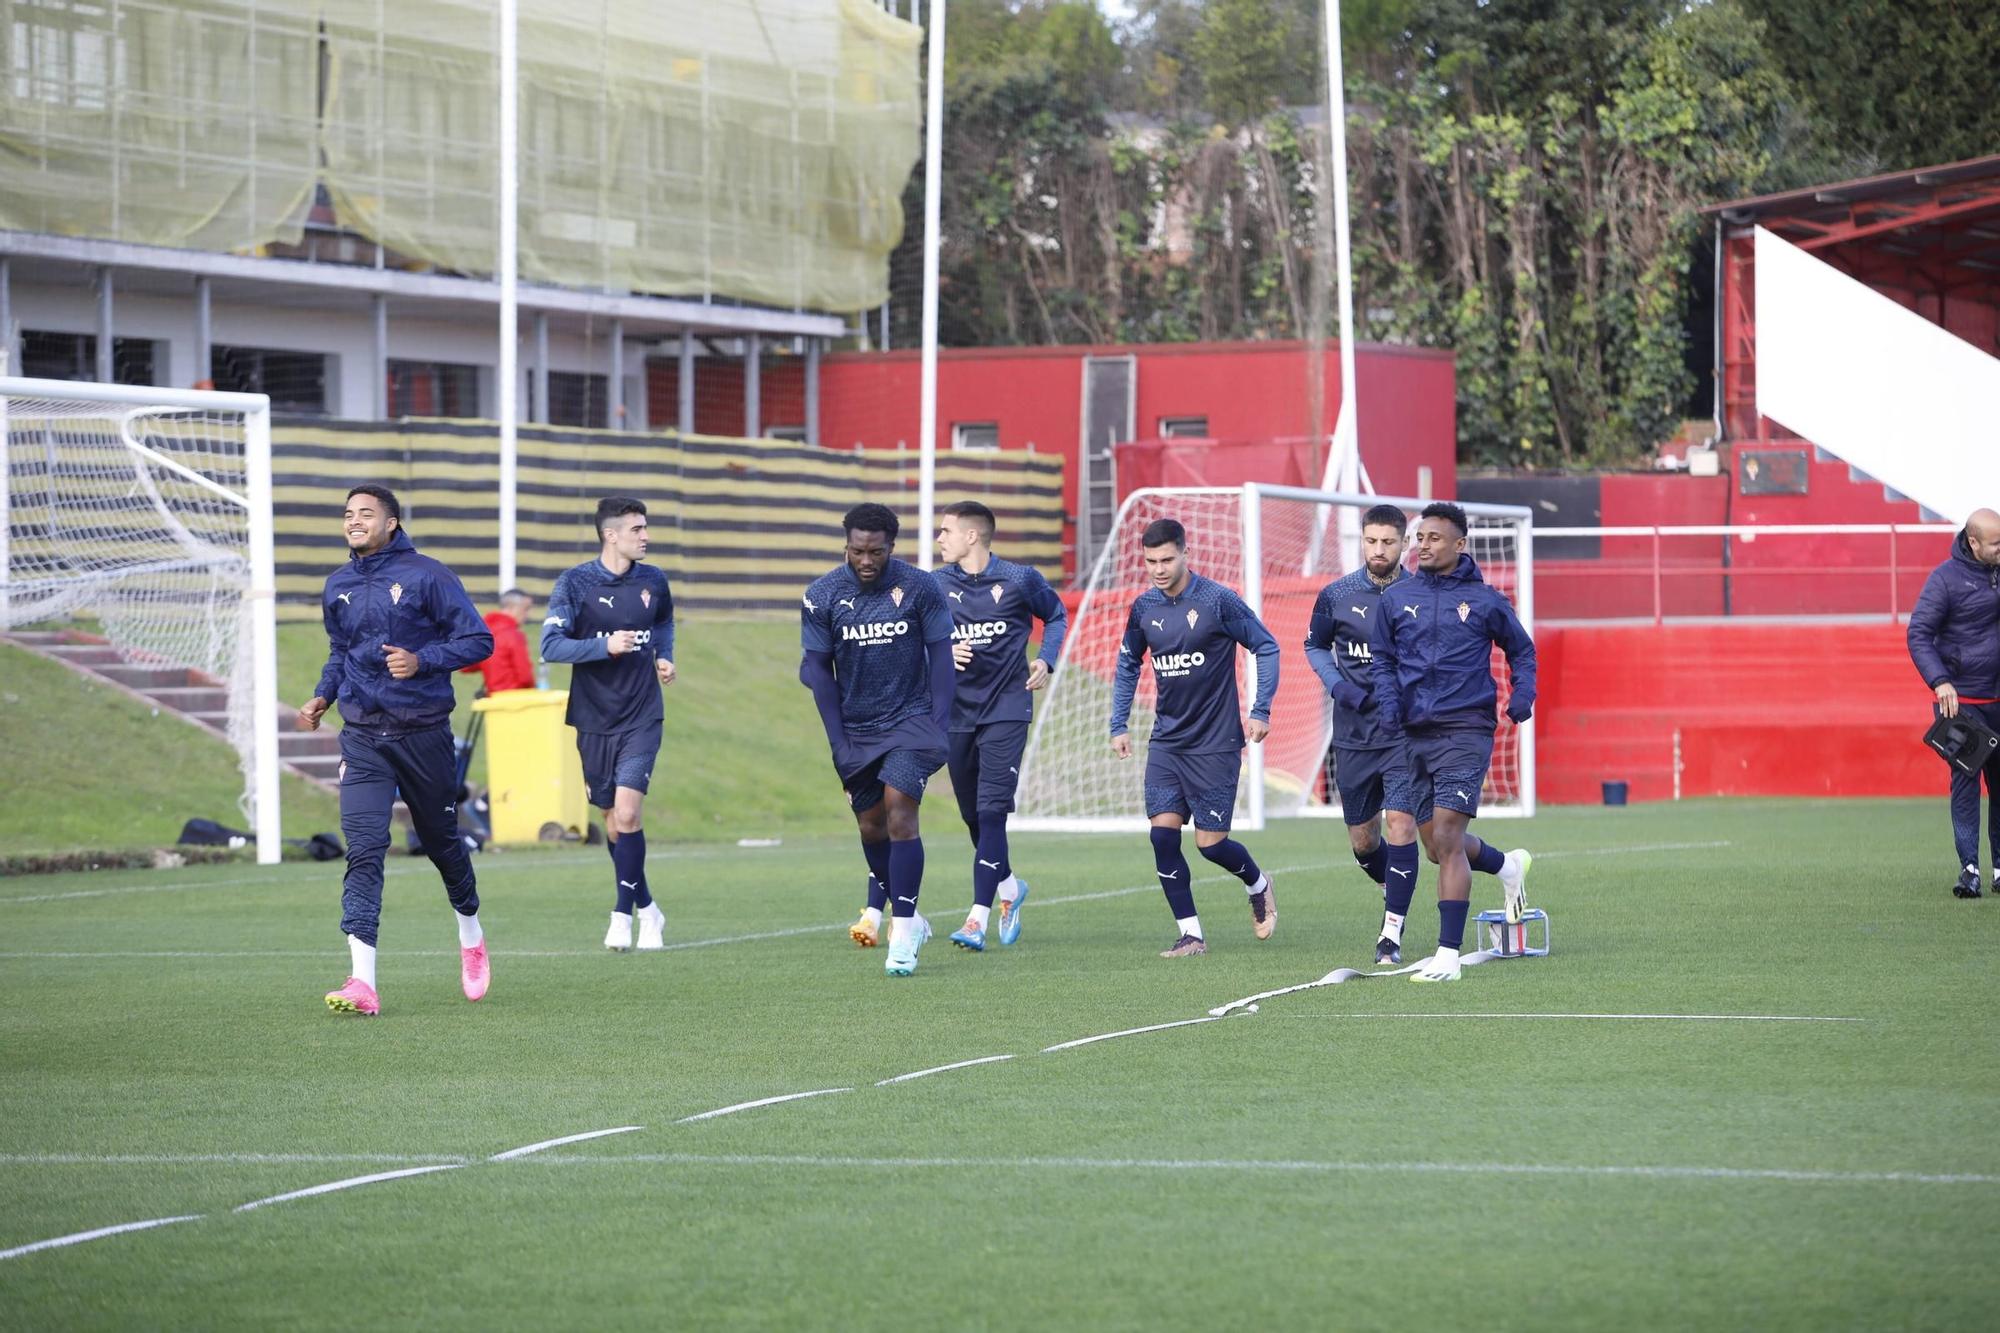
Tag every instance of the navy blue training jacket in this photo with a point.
(406, 600)
(1432, 645)
(1955, 629)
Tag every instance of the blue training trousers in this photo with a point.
(373, 767)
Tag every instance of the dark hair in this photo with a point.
(871, 518)
(1386, 516)
(1450, 513)
(382, 493)
(616, 506)
(1164, 532)
(981, 516)
(516, 592)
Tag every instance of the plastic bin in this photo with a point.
(534, 775)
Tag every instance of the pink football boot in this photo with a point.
(356, 997)
(473, 971)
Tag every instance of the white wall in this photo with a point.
(347, 337)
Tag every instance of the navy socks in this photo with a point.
(1234, 857)
(989, 857)
(1401, 881)
(906, 875)
(1173, 871)
(1376, 863)
(628, 862)
(1487, 860)
(1451, 924)
(878, 872)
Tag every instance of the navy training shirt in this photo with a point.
(588, 604)
(1191, 641)
(1337, 649)
(994, 611)
(880, 641)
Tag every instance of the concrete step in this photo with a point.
(294, 744)
(141, 678)
(84, 654)
(192, 698)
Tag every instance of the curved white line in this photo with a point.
(1128, 1032)
(512, 1153)
(925, 1073)
(349, 1184)
(761, 1101)
(80, 1237)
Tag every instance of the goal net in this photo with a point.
(143, 516)
(1277, 546)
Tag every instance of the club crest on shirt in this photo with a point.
(645, 596)
(998, 593)
(1193, 615)
(1464, 610)
(896, 594)
(395, 593)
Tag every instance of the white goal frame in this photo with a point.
(1251, 497)
(260, 597)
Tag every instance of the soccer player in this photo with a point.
(877, 658)
(1433, 650)
(1188, 627)
(1370, 765)
(510, 667)
(397, 625)
(612, 619)
(994, 603)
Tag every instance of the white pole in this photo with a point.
(933, 190)
(262, 606)
(1524, 607)
(6, 515)
(507, 390)
(1251, 534)
(1343, 460)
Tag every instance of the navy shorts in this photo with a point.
(1447, 769)
(986, 767)
(617, 759)
(1201, 786)
(907, 770)
(1371, 781)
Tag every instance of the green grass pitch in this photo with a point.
(1373, 1155)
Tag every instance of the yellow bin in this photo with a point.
(534, 775)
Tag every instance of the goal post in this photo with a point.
(1277, 546)
(149, 512)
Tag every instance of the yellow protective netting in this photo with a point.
(174, 122)
(751, 149)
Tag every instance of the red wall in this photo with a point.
(1762, 710)
(1248, 391)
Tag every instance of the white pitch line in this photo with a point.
(218, 1158)
(513, 1153)
(941, 1069)
(1637, 847)
(1127, 1032)
(1675, 1018)
(761, 1101)
(1286, 1166)
(336, 1185)
(80, 1237)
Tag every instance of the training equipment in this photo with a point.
(1508, 936)
(473, 971)
(1187, 946)
(1010, 913)
(1514, 882)
(1264, 909)
(1277, 546)
(652, 928)
(1963, 742)
(618, 936)
(148, 511)
(356, 997)
(970, 936)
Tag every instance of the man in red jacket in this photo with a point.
(510, 667)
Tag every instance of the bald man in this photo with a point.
(1955, 642)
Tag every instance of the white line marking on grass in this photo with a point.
(348, 1184)
(218, 1158)
(1673, 1018)
(80, 1237)
(1728, 1173)
(513, 1153)
(925, 1073)
(1637, 847)
(761, 1101)
(1127, 1032)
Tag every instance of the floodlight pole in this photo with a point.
(507, 391)
(1343, 461)
(933, 190)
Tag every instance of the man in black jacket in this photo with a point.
(1955, 641)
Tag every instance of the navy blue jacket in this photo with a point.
(1955, 628)
(1343, 619)
(1433, 650)
(405, 600)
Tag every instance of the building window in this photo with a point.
(295, 381)
(433, 389)
(73, 356)
(796, 434)
(1182, 428)
(576, 399)
(975, 435)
